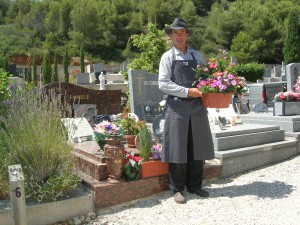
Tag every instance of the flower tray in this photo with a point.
(153, 168)
(216, 100)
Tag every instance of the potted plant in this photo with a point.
(130, 127)
(144, 139)
(218, 81)
(154, 166)
(131, 166)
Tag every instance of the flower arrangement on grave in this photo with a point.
(106, 129)
(289, 96)
(132, 165)
(156, 151)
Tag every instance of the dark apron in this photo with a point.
(179, 111)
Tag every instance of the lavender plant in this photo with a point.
(37, 140)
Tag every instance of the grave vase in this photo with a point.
(216, 100)
(114, 155)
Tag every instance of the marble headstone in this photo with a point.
(144, 94)
(292, 75)
(98, 67)
(83, 78)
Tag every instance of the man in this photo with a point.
(187, 137)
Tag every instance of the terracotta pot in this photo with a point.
(153, 168)
(216, 100)
(114, 155)
(130, 140)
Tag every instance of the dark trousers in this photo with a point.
(187, 174)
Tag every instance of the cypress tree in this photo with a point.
(4, 63)
(291, 49)
(65, 65)
(81, 60)
(55, 70)
(46, 69)
(28, 75)
(34, 70)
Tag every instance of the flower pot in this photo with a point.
(153, 168)
(216, 100)
(130, 140)
(114, 154)
(132, 175)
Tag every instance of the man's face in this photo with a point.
(179, 37)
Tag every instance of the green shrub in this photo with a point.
(251, 71)
(145, 143)
(36, 139)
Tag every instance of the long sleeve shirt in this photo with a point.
(165, 72)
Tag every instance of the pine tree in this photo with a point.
(65, 65)
(81, 60)
(34, 69)
(55, 70)
(46, 69)
(291, 49)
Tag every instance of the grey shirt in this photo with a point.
(164, 79)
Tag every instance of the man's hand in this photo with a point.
(194, 92)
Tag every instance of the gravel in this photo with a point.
(266, 196)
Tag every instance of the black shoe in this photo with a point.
(179, 198)
(200, 192)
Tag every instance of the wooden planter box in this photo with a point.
(286, 108)
(153, 168)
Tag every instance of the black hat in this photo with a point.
(178, 24)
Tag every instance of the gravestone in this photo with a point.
(106, 101)
(268, 72)
(79, 129)
(277, 71)
(98, 67)
(83, 78)
(292, 75)
(144, 94)
(87, 111)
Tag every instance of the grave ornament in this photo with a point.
(260, 107)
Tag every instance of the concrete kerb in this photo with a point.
(245, 159)
(80, 202)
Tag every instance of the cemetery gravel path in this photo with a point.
(268, 196)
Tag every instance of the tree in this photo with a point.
(55, 70)
(4, 63)
(81, 60)
(66, 65)
(46, 69)
(151, 45)
(28, 75)
(84, 19)
(34, 69)
(291, 50)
